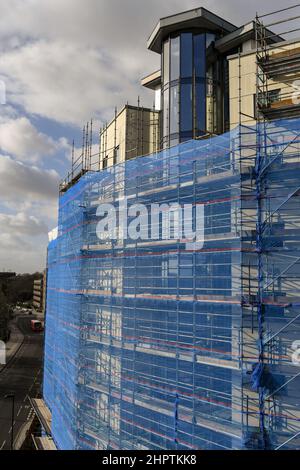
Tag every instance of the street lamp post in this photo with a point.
(12, 396)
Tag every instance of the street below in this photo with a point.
(22, 377)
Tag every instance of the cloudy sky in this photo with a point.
(62, 63)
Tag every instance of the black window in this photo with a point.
(105, 162)
(117, 155)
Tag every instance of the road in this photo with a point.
(22, 376)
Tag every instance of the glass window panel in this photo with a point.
(200, 55)
(175, 49)
(186, 55)
(201, 107)
(186, 108)
(105, 162)
(158, 99)
(166, 60)
(166, 112)
(210, 37)
(174, 109)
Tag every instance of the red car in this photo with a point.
(36, 325)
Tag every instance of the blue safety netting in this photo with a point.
(161, 343)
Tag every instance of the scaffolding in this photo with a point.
(270, 298)
(275, 150)
(279, 62)
(160, 343)
(155, 344)
(136, 133)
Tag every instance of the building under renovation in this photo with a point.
(160, 342)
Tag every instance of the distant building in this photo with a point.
(39, 293)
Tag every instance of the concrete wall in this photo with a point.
(245, 68)
(134, 132)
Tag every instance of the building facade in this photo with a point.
(159, 342)
(134, 131)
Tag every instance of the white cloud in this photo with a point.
(22, 224)
(73, 70)
(29, 195)
(21, 253)
(20, 138)
(78, 59)
(23, 239)
(61, 81)
(23, 182)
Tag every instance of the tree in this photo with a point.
(20, 288)
(4, 316)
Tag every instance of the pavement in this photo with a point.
(21, 376)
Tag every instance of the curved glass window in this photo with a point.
(166, 112)
(200, 107)
(186, 107)
(166, 61)
(186, 54)
(210, 38)
(175, 58)
(174, 109)
(189, 101)
(200, 55)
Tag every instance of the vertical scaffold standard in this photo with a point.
(162, 344)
